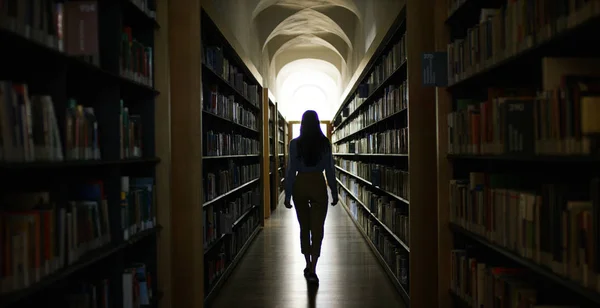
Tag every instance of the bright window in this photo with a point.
(296, 130)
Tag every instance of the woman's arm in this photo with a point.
(292, 167)
(330, 174)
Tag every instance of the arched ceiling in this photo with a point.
(320, 30)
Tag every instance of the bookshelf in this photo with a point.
(529, 215)
(282, 147)
(374, 182)
(80, 120)
(273, 145)
(232, 165)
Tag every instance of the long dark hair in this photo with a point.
(312, 143)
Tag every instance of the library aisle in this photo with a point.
(270, 274)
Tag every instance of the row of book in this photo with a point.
(30, 130)
(136, 59)
(73, 27)
(29, 126)
(281, 171)
(226, 107)
(387, 178)
(216, 61)
(137, 291)
(219, 219)
(281, 148)
(553, 224)
(560, 120)
(388, 64)
(138, 205)
(42, 27)
(507, 31)
(40, 236)
(480, 284)
(391, 141)
(82, 142)
(130, 131)
(68, 26)
(216, 264)
(137, 287)
(393, 100)
(223, 181)
(218, 144)
(386, 210)
(394, 256)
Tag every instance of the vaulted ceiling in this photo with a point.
(292, 30)
(306, 44)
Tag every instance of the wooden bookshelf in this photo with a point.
(232, 138)
(282, 148)
(56, 173)
(272, 128)
(545, 241)
(378, 105)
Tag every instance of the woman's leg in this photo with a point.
(300, 195)
(303, 214)
(318, 214)
(308, 262)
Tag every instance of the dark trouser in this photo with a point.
(310, 200)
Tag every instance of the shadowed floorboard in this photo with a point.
(270, 274)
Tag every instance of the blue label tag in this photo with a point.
(435, 69)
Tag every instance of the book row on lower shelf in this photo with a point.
(387, 178)
(498, 35)
(387, 211)
(391, 141)
(393, 100)
(558, 121)
(137, 287)
(553, 224)
(226, 107)
(225, 180)
(392, 253)
(217, 144)
(137, 290)
(221, 218)
(226, 251)
(138, 208)
(479, 284)
(40, 235)
(30, 129)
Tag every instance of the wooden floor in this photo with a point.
(270, 274)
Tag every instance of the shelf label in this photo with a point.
(435, 69)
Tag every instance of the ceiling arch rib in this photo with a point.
(306, 40)
(305, 22)
(269, 19)
(302, 4)
(279, 44)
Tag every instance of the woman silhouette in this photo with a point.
(310, 154)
